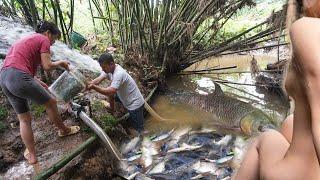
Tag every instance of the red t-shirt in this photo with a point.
(25, 54)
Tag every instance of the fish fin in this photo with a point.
(217, 88)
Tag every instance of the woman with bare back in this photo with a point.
(293, 153)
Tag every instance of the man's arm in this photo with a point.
(109, 91)
(99, 79)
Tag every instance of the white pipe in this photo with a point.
(99, 131)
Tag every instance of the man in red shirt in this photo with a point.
(19, 84)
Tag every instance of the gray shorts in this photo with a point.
(20, 87)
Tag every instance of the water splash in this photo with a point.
(20, 171)
(12, 30)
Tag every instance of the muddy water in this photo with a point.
(213, 147)
(272, 104)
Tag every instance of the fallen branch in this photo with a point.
(200, 71)
(233, 72)
(246, 92)
(243, 84)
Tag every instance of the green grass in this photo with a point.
(107, 121)
(97, 106)
(38, 110)
(3, 113)
(2, 127)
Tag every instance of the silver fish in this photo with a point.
(204, 167)
(184, 147)
(177, 135)
(141, 176)
(224, 160)
(176, 172)
(134, 158)
(224, 141)
(148, 150)
(163, 137)
(203, 131)
(159, 168)
(133, 176)
(125, 169)
(205, 175)
(131, 145)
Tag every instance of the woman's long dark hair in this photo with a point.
(44, 26)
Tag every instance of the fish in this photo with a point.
(133, 176)
(141, 176)
(227, 112)
(177, 135)
(203, 131)
(133, 144)
(184, 147)
(205, 176)
(134, 158)
(224, 160)
(163, 136)
(176, 172)
(199, 176)
(125, 169)
(148, 150)
(159, 168)
(204, 167)
(222, 173)
(224, 141)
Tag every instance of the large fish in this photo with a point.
(227, 112)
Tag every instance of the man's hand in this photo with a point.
(90, 86)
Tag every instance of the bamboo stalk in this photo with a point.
(93, 22)
(62, 25)
(34, 13)
(66, 159)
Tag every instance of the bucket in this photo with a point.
(68, 85)
(77, 39)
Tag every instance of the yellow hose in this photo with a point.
(153, 113)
